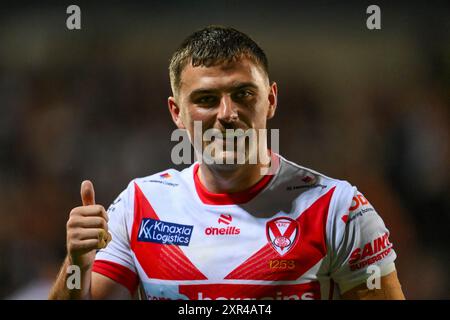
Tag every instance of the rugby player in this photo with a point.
(218, 230)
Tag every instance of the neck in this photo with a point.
(230, 179)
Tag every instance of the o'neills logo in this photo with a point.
(222, 231)
(211, 231)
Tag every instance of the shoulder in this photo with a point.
(159, 184)
(341, 191)
(168, 177)
(338, 194)
(158, 189)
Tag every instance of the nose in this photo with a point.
(227, 110)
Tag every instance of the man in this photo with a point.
(221, 229)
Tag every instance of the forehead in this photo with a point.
(222, 75)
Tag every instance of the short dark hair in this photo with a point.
(211, 46)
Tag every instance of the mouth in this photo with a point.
(231, 134)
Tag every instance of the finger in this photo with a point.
(93, 233)
(96, 237)
(85, 246)
(102, 244)
(102, 239)
(87, 193)
(94, 210)
(90, 222)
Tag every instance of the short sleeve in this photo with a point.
(364, 241)
(116, 260)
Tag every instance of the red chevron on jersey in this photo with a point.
(309, 249)
(176, 267)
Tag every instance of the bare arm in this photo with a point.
(93, 286)
(60, 289)
(390, 290)
(105, 288)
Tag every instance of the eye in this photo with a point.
(242, 94)
(206, 100)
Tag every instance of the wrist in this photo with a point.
(85, 265)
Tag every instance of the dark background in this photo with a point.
(370, 107)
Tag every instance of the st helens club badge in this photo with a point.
(282, 233)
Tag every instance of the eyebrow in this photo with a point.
(233, 87)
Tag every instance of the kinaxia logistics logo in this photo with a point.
(282, 233)
(163, 232)
(229, 230)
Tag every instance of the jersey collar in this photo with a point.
(240, 197)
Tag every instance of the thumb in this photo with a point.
(87, 193)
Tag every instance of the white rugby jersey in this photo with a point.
(296, 234)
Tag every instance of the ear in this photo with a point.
(273, 100)
(175, 112)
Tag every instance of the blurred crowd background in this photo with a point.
(371, 107)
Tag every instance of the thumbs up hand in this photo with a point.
(87, 228)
